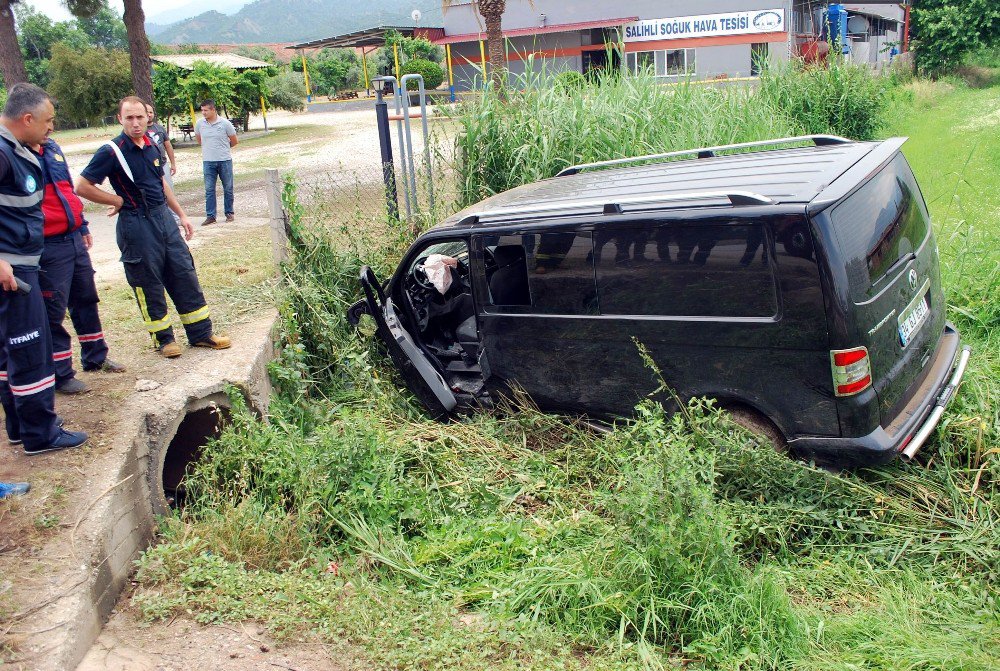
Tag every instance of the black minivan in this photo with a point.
(800, 284)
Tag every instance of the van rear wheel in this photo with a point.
(759, 425)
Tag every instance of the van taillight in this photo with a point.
(852, 372)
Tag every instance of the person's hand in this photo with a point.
(188, 228)
(173, 169)
(7, 280)
(115, 209)
(88, 241)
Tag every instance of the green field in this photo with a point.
(523, 540)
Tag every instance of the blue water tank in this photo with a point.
(836, 17)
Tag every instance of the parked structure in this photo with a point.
(698, 39)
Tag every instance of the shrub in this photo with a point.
(842, 98)
(286, 91)
(432, 72)
(979, 77)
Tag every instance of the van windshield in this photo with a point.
(880, 223)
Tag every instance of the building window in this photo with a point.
(664, 64)
(758, 58)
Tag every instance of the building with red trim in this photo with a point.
(700, 39)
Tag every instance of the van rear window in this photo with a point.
(880, 223)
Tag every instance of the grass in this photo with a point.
(523, 540)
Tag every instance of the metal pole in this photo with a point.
(305, 75)
(482, 57)
(364, 68)
(451, 72)
(385, 145)
(263, 111)
(427, 144)
(402, 145)
(409, 139)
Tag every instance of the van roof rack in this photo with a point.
(619, 206)
(706, 152)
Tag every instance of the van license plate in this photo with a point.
(913, 318)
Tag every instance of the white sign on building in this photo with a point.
(707, 25)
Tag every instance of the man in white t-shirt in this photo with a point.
(217, 137)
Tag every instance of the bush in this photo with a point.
(287, 91)
(569, 81)
(842, 98)
(979, 77)
(432, 72)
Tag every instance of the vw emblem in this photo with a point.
(913, 279)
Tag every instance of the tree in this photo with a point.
(286, 91)
(105, 29)
(37, 34)
(11, 60)
(138, 49)
(88, 84)
(944, 31)
(492, 13)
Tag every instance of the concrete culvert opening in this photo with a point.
(180, 449)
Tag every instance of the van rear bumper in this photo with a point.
(912, 425)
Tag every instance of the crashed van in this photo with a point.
(796, 280)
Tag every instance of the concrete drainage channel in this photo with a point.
(159, 432)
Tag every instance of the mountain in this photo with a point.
(170, 16)
(296, 20)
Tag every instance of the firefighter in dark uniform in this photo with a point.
(155, 256)
(27, 377)
(67, 276)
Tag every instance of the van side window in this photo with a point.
(546, 273)
(696, 270)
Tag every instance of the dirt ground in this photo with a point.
(179, 645)
(309, 144)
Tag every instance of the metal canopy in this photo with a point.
(234, 61)
(368, 37)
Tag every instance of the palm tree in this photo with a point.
(492, 13)
(138, 43)
(11, 59)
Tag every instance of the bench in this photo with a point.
(187, 130)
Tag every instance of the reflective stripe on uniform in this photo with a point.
(22, 201)
(30, 260)
(195, 316)
(90, 337)
(59, 356)
(34, 387)
(3, 376)
(152, 325)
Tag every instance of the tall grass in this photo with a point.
(540, 129)
(535, 132)
(840, 97)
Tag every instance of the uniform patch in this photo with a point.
(30, 184)
(156, 162)
(58, 157)
(21, 339)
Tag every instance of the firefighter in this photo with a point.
(67, 276)
(27, 376)
(155, 257)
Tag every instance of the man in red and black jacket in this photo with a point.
(67, 277)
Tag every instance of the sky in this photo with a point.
(55, 9)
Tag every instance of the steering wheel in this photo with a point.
(420, 277)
